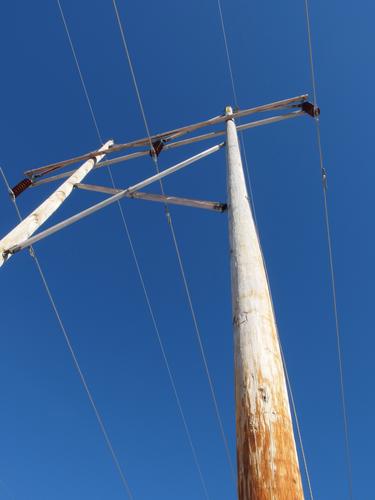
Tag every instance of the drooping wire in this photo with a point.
(311, 58)
(196, 326)
(120, 25)
(331, 260)
(289, 385)
(139, 271)
(74, 356)
(227, 52)
(178, 253)
(79, 71)
(201, 347)
(296, 419)
(161, 345)
(230, 69)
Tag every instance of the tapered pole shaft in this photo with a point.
(266, 452)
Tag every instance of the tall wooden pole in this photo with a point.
(266, 452)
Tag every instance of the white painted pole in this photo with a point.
(33, 221)
(266, 453)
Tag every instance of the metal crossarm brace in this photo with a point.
(172, 145)
(294, 102)
(173, 200)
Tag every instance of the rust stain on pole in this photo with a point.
(266, 455)
(266, 452)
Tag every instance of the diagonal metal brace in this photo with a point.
(216, 206)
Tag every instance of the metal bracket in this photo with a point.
(310, 109)
(21, 187)
(157, 147)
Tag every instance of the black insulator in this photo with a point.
(310, 109)
(157, 146)
(21, 187)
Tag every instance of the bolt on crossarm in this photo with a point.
(267, 459)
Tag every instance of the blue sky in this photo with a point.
(51, 446)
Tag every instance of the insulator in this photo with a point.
(157, 146)
(21, 187)
(310, 109)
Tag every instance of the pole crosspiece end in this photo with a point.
(3, 257)
(310, 109)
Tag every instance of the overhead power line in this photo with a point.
(74, 357)
(178, 253)
(230, 69)
(136, 261)
(331, 260)
(120, 25)
(79, 72)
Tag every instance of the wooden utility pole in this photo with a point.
(266, 452)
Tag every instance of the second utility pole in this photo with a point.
(267, 459)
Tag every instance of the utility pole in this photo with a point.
(266, 452)
(267, 461)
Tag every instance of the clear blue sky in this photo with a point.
(51, 446)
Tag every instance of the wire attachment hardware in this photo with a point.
(310, 109)
(21, 187)
(157, 147)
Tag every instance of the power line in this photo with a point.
(296, 420)
(120, 25)
(289, 386)
(202, 350)
(227, 52)
(74, 356)
(162, 349)
(79, 71)
(290, 391)
(311, 58)
(331, 261)
(136, 262)
(178, 253)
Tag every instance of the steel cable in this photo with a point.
(74, 356)
(331, 261)
(178, 253)
(225, 37)
(136, 262)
